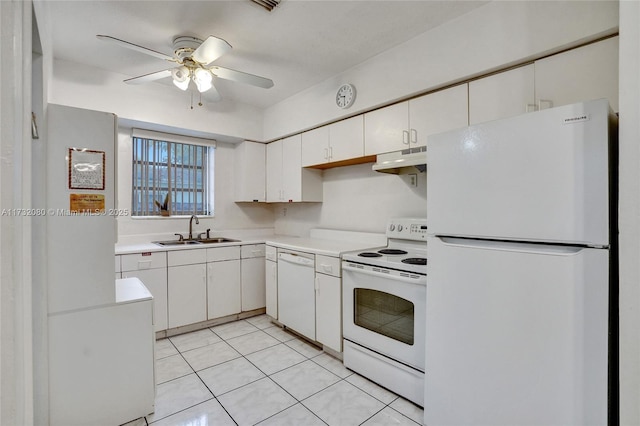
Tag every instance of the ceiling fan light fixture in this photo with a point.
(181, 77)
(203, 79)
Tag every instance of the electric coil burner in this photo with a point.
(384, 309)
(392, 251)
(369, 254)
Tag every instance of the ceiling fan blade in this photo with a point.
(213, 94)
(241, 77)
(135, 47)
(210, 50)
(149, 77)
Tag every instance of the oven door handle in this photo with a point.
(417, 279)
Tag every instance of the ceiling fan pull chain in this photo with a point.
(192, 99)
(200, 103)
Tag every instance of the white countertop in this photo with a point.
(330, 242)
(140, 247)
(131, 290)
(320, 241)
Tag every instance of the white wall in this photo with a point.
(228, 214)
(488, 38)
(629, 213)
(355, 198)
(92, 88)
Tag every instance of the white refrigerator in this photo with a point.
(521, 279)
(100, 330)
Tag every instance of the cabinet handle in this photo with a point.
(414, 136)
(405, 137)
(544, 101)
(530, 108)
(315, 285)
(326, 153)
(330, 152)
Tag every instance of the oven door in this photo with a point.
(384, 310)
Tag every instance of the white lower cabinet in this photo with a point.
(151, 269)
(156, 281)
(253, 277)
(187, 287)
(271, 281)
(328, 288)
(223, 282)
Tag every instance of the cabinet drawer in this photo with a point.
(146, 260)
(253, 250)
(223, 253)
(328, 265)
(186, 257)
(271, 253)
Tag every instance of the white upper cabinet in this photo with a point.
(339, 141)
(582, 74)
(315, 146)
(386, 129)
(249, 161)
(408, 124)
(287, 181)
(274, 172)
(502, 95)
(346, 139)
(436, 113)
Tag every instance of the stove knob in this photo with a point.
(399, 228)
(392, 227)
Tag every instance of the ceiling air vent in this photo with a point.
(267, 4)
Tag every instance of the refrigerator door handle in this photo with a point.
(525, 247)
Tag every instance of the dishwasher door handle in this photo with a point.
(297, 260)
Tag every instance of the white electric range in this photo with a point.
(384, 300)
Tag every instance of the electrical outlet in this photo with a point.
(284, 212)
(413, 179)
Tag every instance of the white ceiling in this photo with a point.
(297, 45)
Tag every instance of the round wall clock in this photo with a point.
(346, 95)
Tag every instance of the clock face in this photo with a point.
(345, 96)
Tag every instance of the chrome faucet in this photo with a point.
(191, 225)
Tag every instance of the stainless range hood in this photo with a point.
(410, 160)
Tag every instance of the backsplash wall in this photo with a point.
(355, 198)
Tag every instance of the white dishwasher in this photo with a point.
(296, 292)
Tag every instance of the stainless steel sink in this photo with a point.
(217, 240)
(176, 242)
(195, 242)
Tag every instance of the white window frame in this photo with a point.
(157, 194)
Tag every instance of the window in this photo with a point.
(171, 177)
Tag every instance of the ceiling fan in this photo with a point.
(193, 58)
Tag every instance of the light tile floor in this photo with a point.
(252, 372)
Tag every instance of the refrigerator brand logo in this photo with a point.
(576, 119)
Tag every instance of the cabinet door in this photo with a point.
(346, 139)
(292, 168)
(386, 129)
(329, 311)
(437, 112)
(250, 171)
(253, 284)
(274, 171)
(315, 146)
(502, 95)
(187, 294)
(223, 288)
(156, 282)
(582, 74)
(271, 287)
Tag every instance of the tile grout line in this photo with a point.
(306, 358)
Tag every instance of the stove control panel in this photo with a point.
(407, 229)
